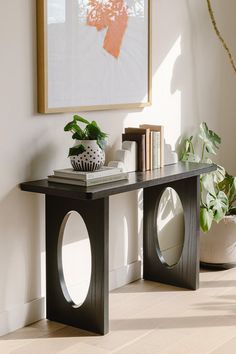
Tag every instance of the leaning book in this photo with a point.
(105, 171)
(92, 182)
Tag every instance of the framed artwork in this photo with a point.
(93, 54)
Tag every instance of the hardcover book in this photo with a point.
(155, 149)
(160, 129)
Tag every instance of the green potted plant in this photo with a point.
(217, 202)
(87, 154)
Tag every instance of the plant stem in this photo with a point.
(211, 13)
(203, 151)
(192, 148)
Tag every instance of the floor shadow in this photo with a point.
(173, 322)
(145, 286)
(228, 297)
(217, 306)
(32, 332)
(218, 284)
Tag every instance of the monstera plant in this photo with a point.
(218, 189)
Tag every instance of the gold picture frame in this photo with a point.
(44, 105)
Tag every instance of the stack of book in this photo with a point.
(150, 140)
(82, 178)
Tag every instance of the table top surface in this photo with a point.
(137, 180)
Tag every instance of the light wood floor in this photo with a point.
(147, 318)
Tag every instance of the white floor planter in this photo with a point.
(218, 246)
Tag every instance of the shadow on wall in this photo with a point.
(174, 105)
(123, 225)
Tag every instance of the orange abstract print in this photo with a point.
(113, 15)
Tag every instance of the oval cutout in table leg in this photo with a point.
(170, 227)
(74, 259)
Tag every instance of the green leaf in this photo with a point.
(69, 126)
(218, 204)
(207, 182)
(210, 139)
(93, 132)
(79, 135)
(206, 160)
(232, 211)
(228, 185)
(206, 218)
(190, 157)
(76, 150)
(80, 119)
(74, 128)
(187, 149)
(219, 174)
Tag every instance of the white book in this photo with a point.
(159, 150)
(157, 128)
(87, 183)
(105, 171)
(154, 149)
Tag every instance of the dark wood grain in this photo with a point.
(186, 272)
(136, 180)
(93, 313)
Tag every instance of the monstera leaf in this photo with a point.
(218, 204)
(207, 182)
(206, 218)
(228, 185)
(210, 139)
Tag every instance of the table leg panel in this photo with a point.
(186, 272)
(92, 315)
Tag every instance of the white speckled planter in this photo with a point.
(91, 159)
(218, 246)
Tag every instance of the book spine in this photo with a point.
(158, 150)
(151, 150)
(142, 154)
(162, 147)
(154, 150)
(158, 128)
(147, 149)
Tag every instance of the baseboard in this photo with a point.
(124, 275)
(21, 316)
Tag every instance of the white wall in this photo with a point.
(192, 82)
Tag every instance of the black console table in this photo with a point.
(92, 204)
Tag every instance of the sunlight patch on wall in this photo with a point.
(169, 100)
